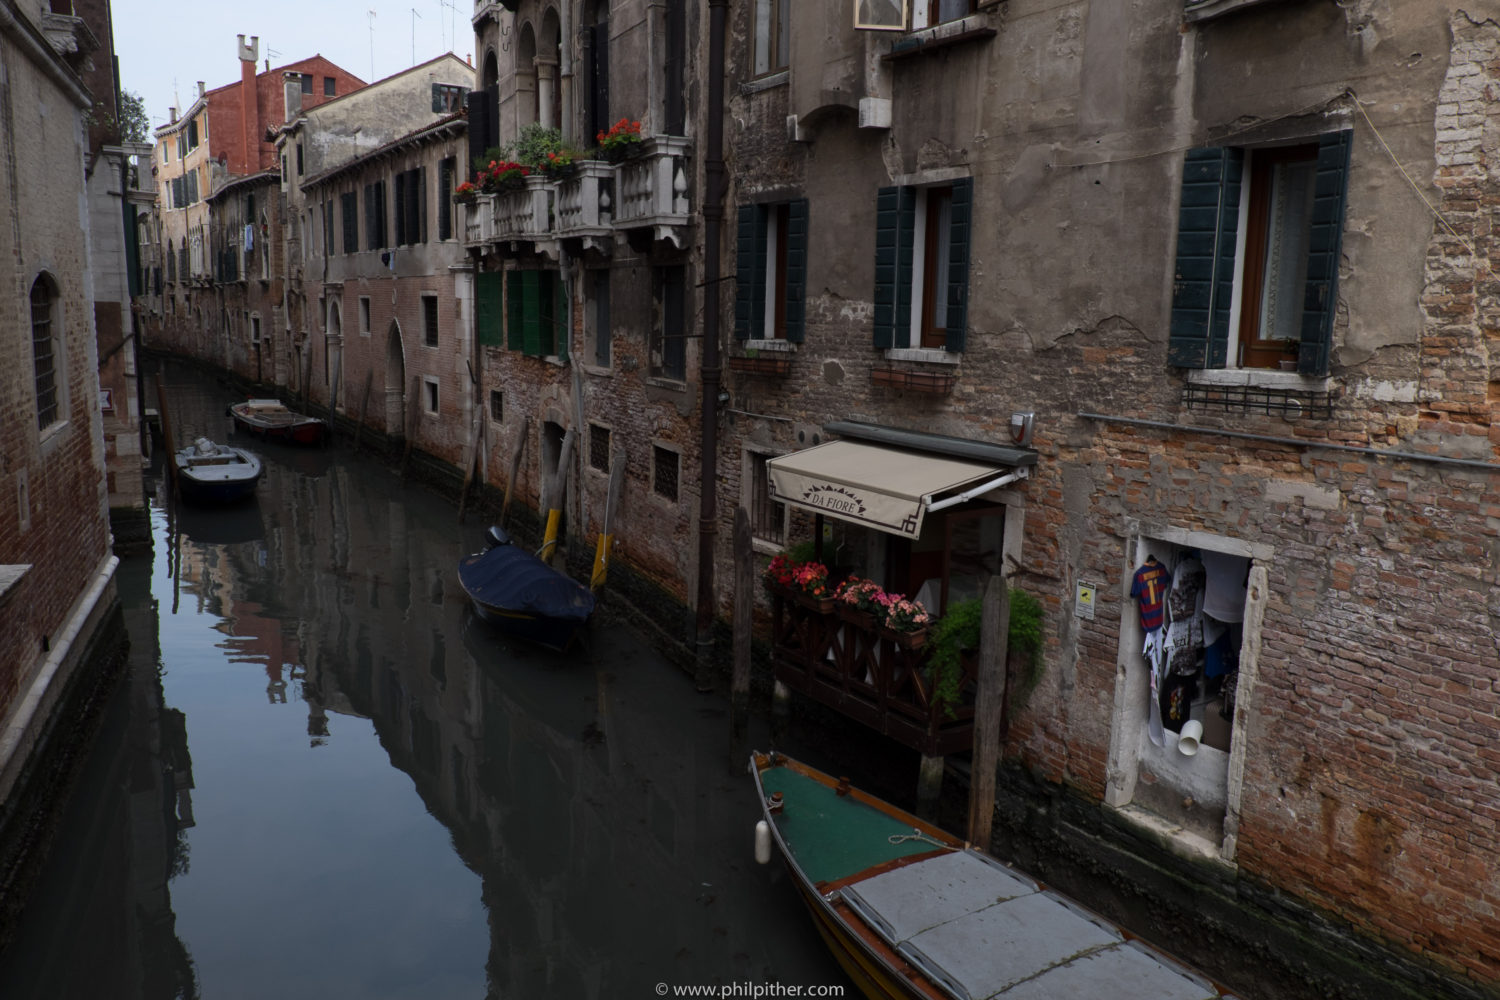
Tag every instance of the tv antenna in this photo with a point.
(372, 45)
(415, 17)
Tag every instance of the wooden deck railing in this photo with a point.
(861, 671)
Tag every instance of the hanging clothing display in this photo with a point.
(1149, 588)
(1177, 694)
(1225, 580)
(1155, 654)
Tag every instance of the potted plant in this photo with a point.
(804, 582)
(957, 633)
(466, 193)
(858, 600)
(622, 141)
(503, 175)
(905, 621)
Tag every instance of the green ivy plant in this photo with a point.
(958, 631)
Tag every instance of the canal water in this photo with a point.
(322, 777)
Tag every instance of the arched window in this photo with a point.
(44, 352)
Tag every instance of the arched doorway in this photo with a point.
(334, 353)
(548, 71)
(526, 97)
(395, 383)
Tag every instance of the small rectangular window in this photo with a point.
(767, 514)
(430, 387)
(599, 316)
(307, 83)
(773, 35)
(669, 354)
(330, 87)
(299, 159)
(599, 447)
(349, 204)
(664, 468)
(430, 320)
(447, 172)
(497, 405)
(364, 315)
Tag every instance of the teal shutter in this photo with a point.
(515, 310)
(531, 312)
(887, 246)
(487, 306)
(1320, 301)
(958, 263)
(796, 271)
(1203, 279)
(906, 226)
(749, 290)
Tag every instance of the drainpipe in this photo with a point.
(712, 218)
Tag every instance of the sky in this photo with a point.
(165, 49)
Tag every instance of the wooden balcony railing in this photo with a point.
(860, 671)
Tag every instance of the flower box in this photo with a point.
(905, 640)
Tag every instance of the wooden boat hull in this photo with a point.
(228, 475)
(901, 905)
(523, 596)
(274, 422)
(553, 633)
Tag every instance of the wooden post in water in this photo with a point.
(744, 604)
(994, 641)
(515, 468)
(413, 408)
(364, 411)
(781, 713)
(471, 459)
(166, 429)
(929, 786)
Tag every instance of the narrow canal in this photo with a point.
(323, 778)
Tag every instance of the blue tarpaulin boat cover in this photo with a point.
(510, 578)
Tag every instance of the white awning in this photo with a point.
(889, 489)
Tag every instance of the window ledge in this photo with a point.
(975, 27)
(662, 382)
(1202, 10)
(1260, 378)
(768, 82)
(599, 371)
(10, 576)
(769, 345)
(923, 354)
(1172, 837)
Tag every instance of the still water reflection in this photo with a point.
(323, 778)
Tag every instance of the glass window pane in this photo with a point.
(1287, 241)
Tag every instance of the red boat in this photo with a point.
(270, 419)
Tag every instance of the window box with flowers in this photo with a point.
(805, 583)
(905, 621)
(466, 193)
(621, 142)
(502, 175)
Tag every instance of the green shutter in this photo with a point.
(887, 243)
(958, 263)
(488, 304)
(906, 225)
(745, 284)
(796, 271)
(547, 322)
(515, 311)
(1203, 279)
(1320, 301)
(531, 312)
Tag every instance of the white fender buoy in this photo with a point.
(763, 842)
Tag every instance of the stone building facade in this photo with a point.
(1231, 256)
(58, 596)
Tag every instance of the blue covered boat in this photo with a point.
(523, 596)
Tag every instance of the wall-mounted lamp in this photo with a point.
(1021, 426)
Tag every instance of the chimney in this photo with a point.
(171, 116)
(202, 90)
(291, 87)
(249, 107)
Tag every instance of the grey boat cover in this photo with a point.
(983, 930)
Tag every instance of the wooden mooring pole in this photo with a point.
(994, 641)
(739, 683)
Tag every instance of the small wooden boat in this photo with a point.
(523, 596)
(215, 473)
(270, 419)
(911, 912)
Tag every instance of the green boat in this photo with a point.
(912, 912)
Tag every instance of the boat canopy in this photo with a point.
(511, 578)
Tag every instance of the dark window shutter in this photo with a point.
(746, 237)
(796, 270)
(1320, 303)
(401, 230)
(959, 233)
(420, 176)
(887, 247)
(438, 104)
(487, 306)
(1203, 278)
(515, 310)
(445, 199)
(674, 68)
(531, 312)
(560, 331)
(547, 314)
(479, 127)
(906, 226)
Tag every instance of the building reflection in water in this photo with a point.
(590, 796)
